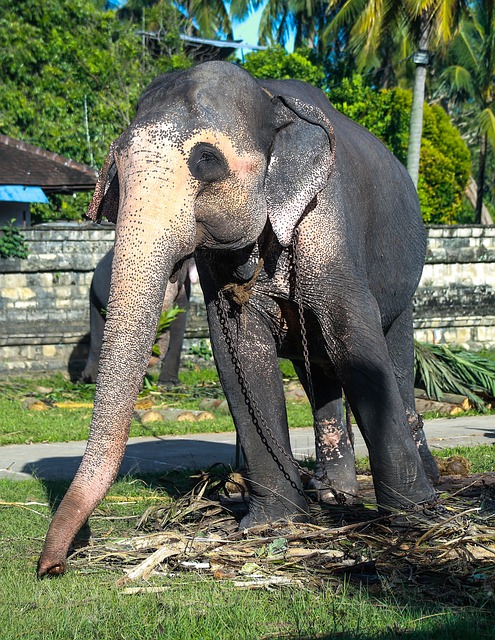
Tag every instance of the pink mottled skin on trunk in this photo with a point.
(145, 252)
(157, 226)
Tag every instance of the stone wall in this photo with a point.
(44, 307)
(44, 300)
(455, 302)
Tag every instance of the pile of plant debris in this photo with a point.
(447, 552)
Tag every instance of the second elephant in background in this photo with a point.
(169, 343)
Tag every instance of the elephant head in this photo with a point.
(210, 157)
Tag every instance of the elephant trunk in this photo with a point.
(145, 253)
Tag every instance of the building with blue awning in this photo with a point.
(17, 193)
(28, 174)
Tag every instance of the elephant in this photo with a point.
(309, 245)
(169, 343)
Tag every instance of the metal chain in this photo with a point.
(252, 406)
(294, 257)
(298, 298)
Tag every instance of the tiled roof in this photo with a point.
(24, 164)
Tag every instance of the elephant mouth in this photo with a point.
(206, 238)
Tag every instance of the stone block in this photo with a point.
(485, 334)
(463, 232)
(62, 303)
(435, 232)
(25, 304)
(44, 300)
(13, 281)
(18, 293)
(49, 351)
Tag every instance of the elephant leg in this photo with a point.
(97, 326)
(169, 372)
(400, 343)
(335, 479)
(366, 371)
(275, 486)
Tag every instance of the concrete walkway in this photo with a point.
(164, 453)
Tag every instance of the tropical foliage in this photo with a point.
(441, 369)
(278, 64)
(468, 83)
(71, 76)
(12, 242)
(379, 39)
(377, 24)
(71, 72)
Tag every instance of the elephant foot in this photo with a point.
(88, 377)
(331, 492)
(334, 480)
(404, 497)
(169, 383)
(264, 511)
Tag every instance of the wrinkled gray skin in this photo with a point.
(169, 343)
(220, 164)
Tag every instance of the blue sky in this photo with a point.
(248, 29)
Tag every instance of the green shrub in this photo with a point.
(445, 162)
(71, 77)
(12, 242)
(61, 207)
(276, 63)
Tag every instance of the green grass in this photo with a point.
(482, 458)
(20, 425)
(87, 604)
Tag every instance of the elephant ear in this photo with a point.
(105, 201)
(301, 161)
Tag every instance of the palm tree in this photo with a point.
(469, 80)
(428, 23)
(208, 18)
(211, 17)
(304, 20)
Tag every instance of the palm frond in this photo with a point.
(440, 369)
(346, 14)
(240, 9)
(456, 80)
(487, 124)
(465, 48)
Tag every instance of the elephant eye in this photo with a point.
(207, 163)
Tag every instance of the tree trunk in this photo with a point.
(416, 123)
(481, 178)
(472, 196)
